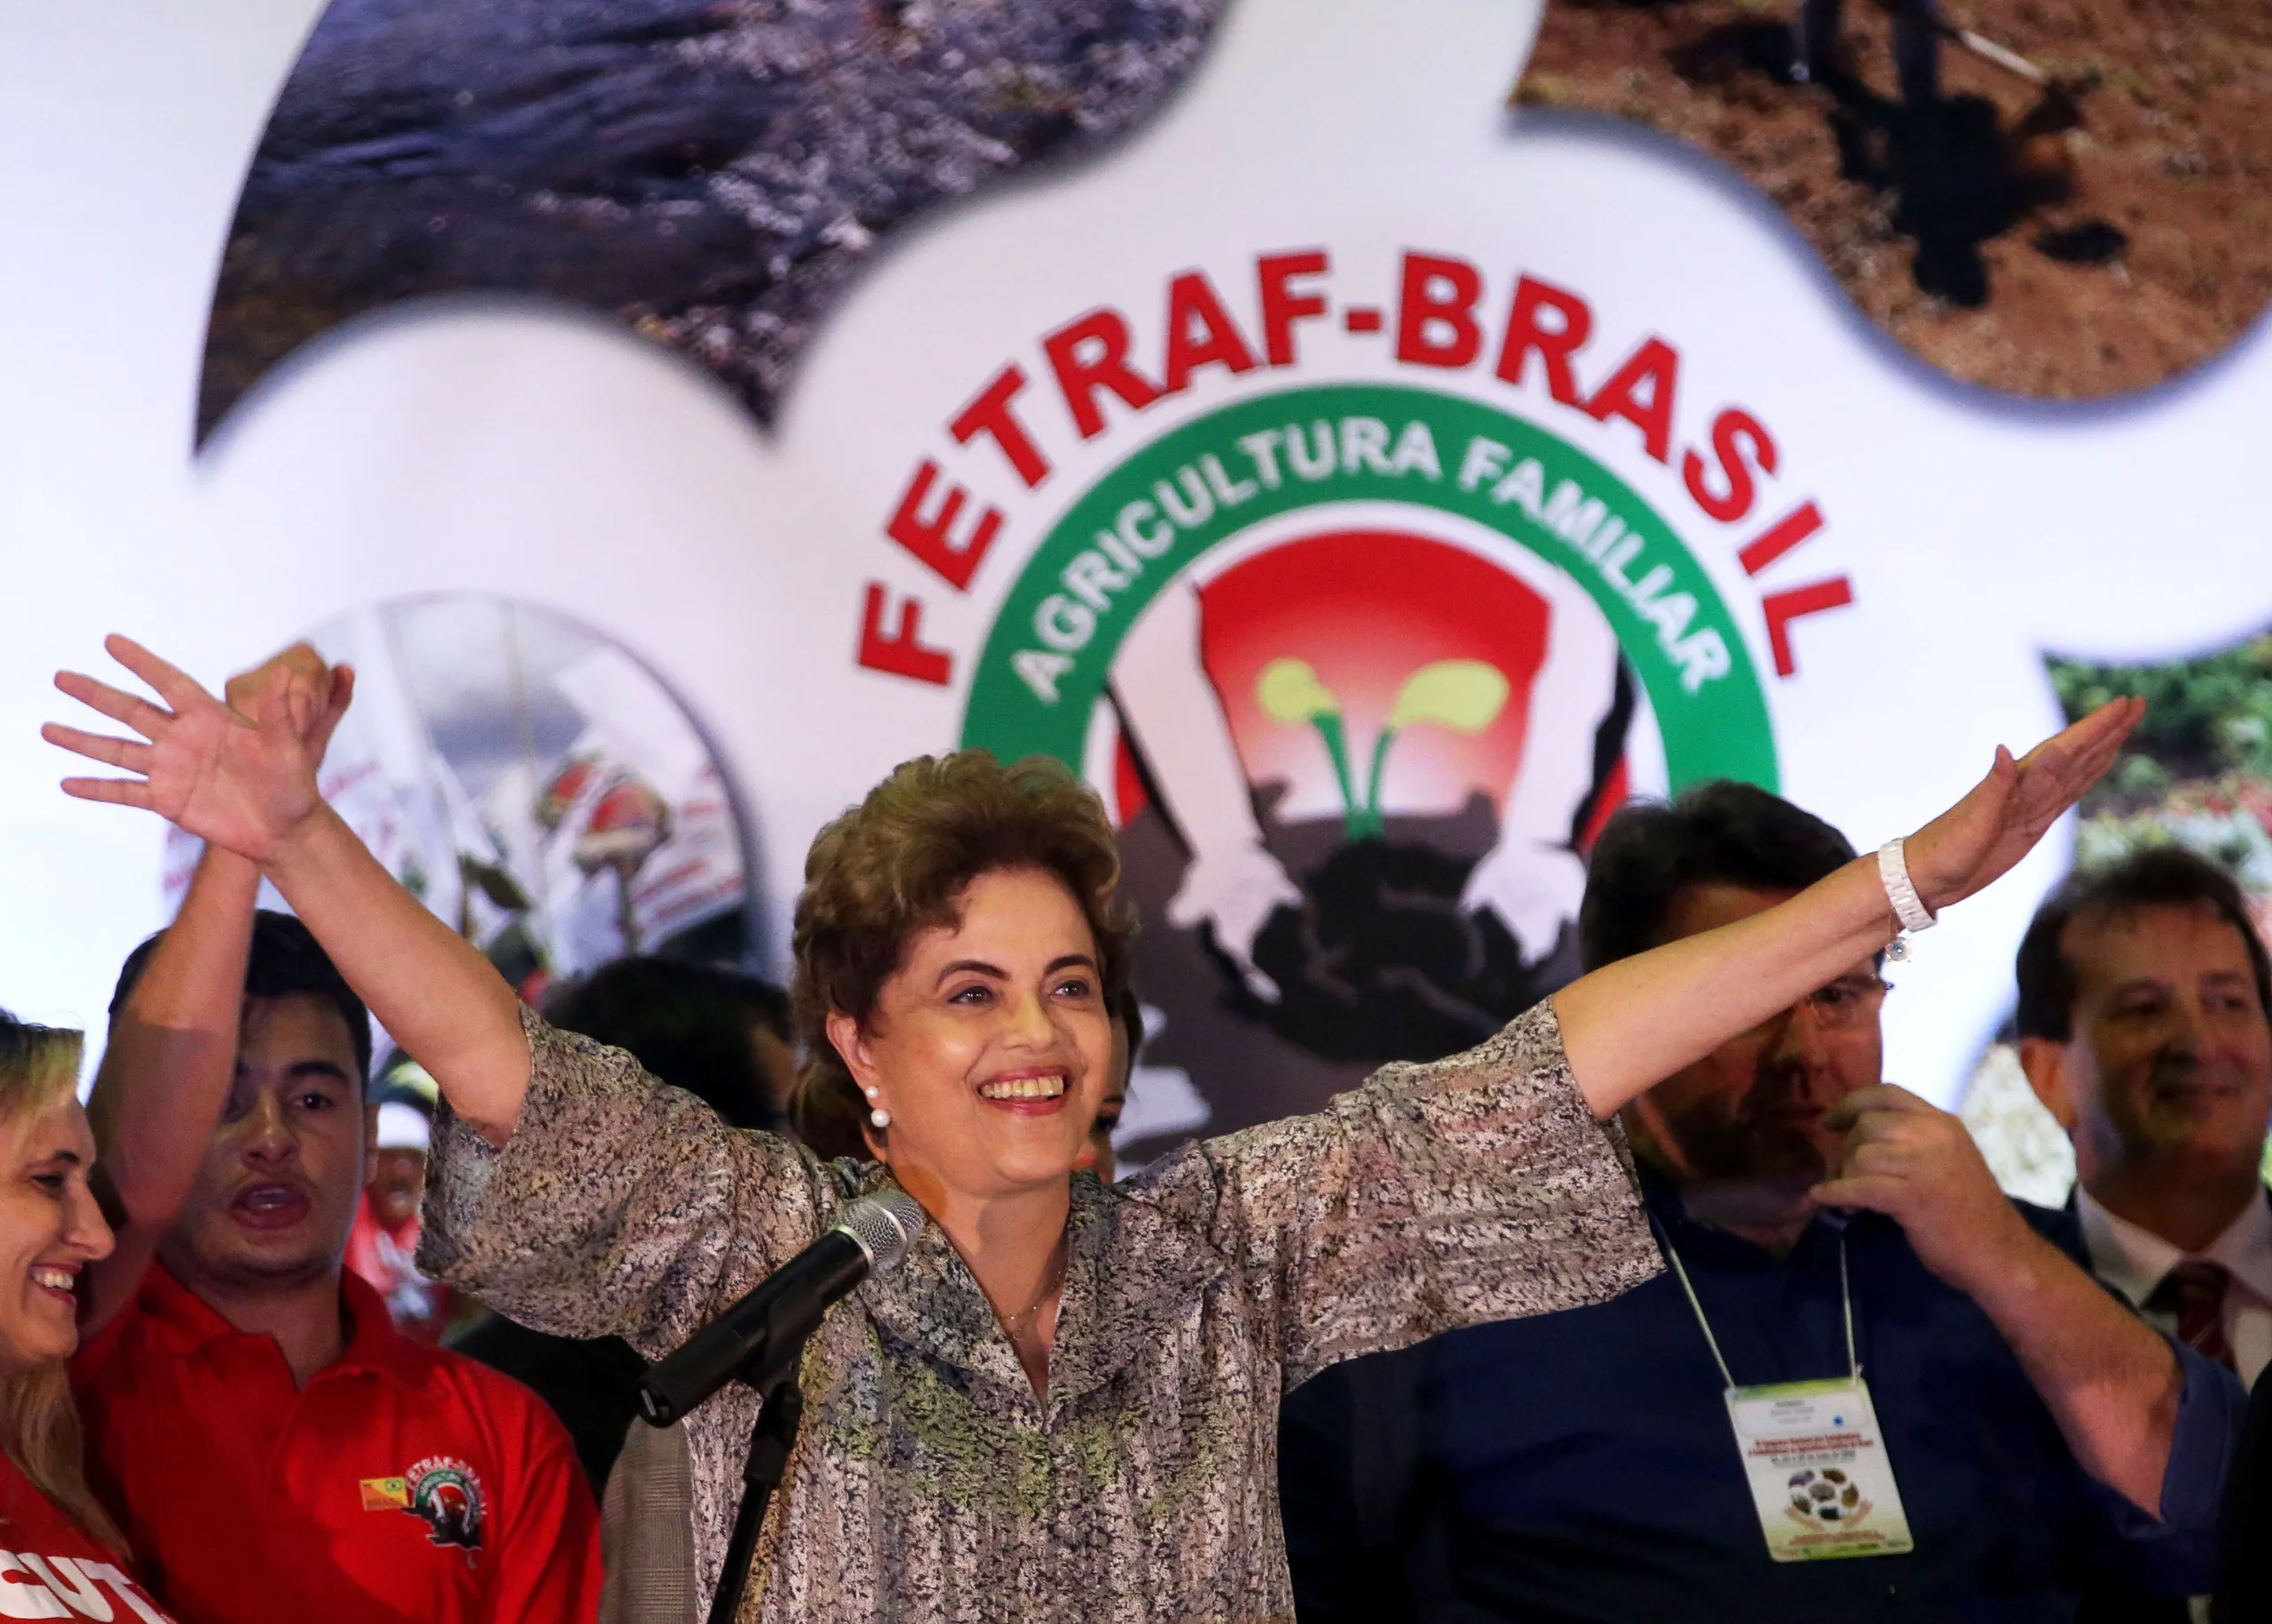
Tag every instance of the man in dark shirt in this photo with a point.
(1584, 1465)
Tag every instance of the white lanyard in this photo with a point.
(1845, 1293)
(1810, 1450)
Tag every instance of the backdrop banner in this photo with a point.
(1369, 441)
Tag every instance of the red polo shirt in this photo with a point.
(403, 1482)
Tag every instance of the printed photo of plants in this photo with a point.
(2198, 770)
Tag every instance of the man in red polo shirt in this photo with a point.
(273, 1446)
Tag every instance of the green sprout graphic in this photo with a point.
(1289, 691)
(1464, 695)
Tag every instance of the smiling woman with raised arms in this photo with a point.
(1066, 1400)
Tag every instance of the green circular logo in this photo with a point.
(1151, 518)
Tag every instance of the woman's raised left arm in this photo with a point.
(1475, 1188)
(1492, 1184)
(1629, 1025)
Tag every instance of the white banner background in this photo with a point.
(545, 455)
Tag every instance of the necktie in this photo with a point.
(2195, 1292)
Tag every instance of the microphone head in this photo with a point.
(885, 1225)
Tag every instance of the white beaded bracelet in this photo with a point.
(1908, 907)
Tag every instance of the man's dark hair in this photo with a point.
(1721, 832)
(286, 961)
(688, 1023)
(2158, 876)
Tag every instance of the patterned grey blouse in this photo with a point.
(929, 1483)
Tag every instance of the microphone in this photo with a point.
(757, 1337)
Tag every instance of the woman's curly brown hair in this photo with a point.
(898, 864)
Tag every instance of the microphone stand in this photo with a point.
(781, 1406)
(760, 1341)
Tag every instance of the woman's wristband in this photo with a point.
(1908, 907)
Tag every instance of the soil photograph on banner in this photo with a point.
(2065, 202)
(709, 175)
(2198, 771)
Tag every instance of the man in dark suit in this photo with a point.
(2143, 999)
(2143, 992)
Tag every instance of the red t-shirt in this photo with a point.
(51, 1568)
(403, 1482)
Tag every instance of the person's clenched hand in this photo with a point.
(1918, 1164)
(317, 694)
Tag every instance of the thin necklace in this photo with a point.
(1016, 1324)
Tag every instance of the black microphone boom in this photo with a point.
(752, 1340)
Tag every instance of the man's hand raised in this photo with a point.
(2110, 1380)
(317, 695)
(1917, 1164)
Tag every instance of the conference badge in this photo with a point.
(1820, 1475)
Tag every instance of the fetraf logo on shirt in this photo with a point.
(442, 1491)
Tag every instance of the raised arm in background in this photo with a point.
(172, 1049)
(252, 788)
(166, 1073)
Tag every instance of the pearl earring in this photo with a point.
(881, 1117)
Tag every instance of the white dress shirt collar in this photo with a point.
(2133, 1260)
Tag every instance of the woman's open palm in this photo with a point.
(238, 782)
(1985, 834)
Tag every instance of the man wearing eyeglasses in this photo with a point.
(1860, 1349)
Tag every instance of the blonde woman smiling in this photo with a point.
(59, 1552)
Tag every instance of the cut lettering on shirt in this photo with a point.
(34, 1586)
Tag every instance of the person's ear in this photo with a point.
(851, 1045)
(2045, 1062)
(370, 1143)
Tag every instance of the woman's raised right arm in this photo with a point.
(250, 786)
(431, 988)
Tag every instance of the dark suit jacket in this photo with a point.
(2245, 1531)
(2244, 1534)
